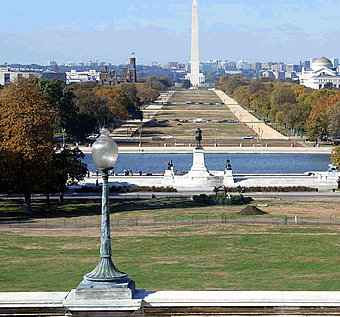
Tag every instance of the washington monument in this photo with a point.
(195, 77)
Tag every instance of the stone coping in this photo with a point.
(67, 300)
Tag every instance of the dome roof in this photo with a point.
(321, 62)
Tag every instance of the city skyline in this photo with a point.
(159, 31)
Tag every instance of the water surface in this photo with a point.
(241, 163)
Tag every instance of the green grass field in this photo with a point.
(210, 115)
(176, 257)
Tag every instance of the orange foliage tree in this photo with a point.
(26, 139)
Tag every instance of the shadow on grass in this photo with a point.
(14, 211)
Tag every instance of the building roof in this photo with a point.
(321, 62)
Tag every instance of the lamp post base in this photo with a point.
(106, 278)
(105, 290)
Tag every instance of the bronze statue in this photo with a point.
(170, 165)
(198, 137)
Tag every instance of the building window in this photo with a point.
(7, 79)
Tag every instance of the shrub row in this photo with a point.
(266, 189)
(204, 199)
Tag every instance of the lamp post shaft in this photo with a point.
(105, 275)
(105, 244)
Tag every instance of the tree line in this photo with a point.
(313, 112)
(33, 110)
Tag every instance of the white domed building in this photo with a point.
(320, 73)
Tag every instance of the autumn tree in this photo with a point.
(229, 84)
(256, 85)
(333, 128)
(260, 102)
(241, 95)
(335, 156)
(26, 140)
(317, 122)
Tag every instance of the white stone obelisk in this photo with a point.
(195, 77)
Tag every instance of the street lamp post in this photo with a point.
(63, 131)
(215, 137)
(140, 137)
(106, 276)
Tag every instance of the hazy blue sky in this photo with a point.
(159, 30)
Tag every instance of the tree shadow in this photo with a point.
(76, 207)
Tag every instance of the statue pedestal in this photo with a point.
(169, 177)
(198, 165)
(228, 179)
(198, 176)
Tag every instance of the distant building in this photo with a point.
(53, 75)
(242, 65)
(172, 65)
(305, 64)
(111, 78)
(78, 77)
(132, 77)
(335, 62)
(266, 65)
(9, 75)
(256, 65)
(321, 73)
(268, 74)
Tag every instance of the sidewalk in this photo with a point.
(131, 127)
(259, 127)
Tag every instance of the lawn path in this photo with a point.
(259, 127)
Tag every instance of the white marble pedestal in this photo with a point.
(228, 179)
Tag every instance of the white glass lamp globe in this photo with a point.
(104, 151)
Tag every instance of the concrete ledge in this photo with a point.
(174, 303)
(242, 299)
(32, 299)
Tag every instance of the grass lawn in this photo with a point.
(207, 112)
(177, 257)
(199, 95)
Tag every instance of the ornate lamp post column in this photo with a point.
(106, 275)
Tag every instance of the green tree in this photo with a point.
(70, 169)
(186, 84)
(282, 95)
(26, 140)
(61, 98)
(92, 112)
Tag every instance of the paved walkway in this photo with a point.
(259, 127)
(131, 127)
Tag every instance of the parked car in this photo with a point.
(167, 137)
(223, 121)
(197, 120)
(248, 137)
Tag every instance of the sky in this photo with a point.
(159, 30)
